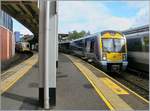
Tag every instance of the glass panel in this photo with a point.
(1, 18)
(92, 47)
(108, 45)
(134, 44)
(146, 43)
(113, 45)
(119, 45)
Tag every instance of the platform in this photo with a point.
(116, 95)
(79, 86)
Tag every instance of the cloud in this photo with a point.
(96, 16)
(142, 17)
(137, 4)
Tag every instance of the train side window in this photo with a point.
(88, 46)
(85, 43)
(92, 46)
(134, 44)
(146, 43)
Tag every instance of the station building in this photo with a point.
(17, 36)
(7, 40)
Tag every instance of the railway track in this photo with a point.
(137, 80)
(139, 84)
(141, 87)
(19, 57)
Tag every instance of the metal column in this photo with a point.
(47, 52)
(57, 44)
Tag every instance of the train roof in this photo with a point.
(136, 30)
(88, 36)
(138, 35)
(92, 35)
(96, 34)
(64, 42)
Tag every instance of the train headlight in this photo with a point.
(104, 57)
(124, 57)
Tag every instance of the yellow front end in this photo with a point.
(114, 57)
(114, 51)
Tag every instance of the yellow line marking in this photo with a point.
(112, 100)
(28, 64)
(113, 86)
(100, 94)
(110, 106)
(120, 84)
(7, 84)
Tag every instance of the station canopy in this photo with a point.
(26, 12)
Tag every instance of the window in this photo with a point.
(119, 45)
(146, 43)
(107, 45)
(88, 43)
(92, 46)
(134, 44)
(113, 45)
(1, 18)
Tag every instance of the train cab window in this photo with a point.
(107, 45)
(119, 45)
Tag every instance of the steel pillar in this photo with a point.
(47, 52)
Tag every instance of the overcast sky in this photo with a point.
(95, 16)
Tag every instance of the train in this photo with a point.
(107, 48)
(138, 48)
(22, 47)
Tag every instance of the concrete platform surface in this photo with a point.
(116, 95)
(73, 91)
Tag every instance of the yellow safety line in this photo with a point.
(120, 84)
(100, 94)
(110, 106)
(117, 89)
(25, 70)
(97, 90)
(14, 81)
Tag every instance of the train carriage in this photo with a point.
(138, 51)
(22, 46)
(138, 48)
(107, 48)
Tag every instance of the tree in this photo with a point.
(75, 35)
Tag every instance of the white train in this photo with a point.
(138, 48)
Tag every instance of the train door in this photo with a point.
(96, 49)
(89, 48)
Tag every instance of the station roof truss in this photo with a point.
(26, 12)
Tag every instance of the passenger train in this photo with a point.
(107, 48)
(22, 46)
(138, 48)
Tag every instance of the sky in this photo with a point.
(21, 28)
(96, 16)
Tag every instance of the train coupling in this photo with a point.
(115, 68)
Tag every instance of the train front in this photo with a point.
(113, 51)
